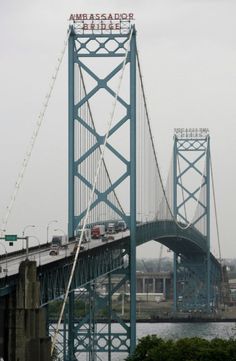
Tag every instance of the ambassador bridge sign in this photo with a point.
(102, 22)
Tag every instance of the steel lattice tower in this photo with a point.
(80, 48)
(194, 271)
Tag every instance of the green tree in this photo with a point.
(152, 348)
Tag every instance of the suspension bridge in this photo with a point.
(114, 175)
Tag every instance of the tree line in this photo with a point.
(152, 348)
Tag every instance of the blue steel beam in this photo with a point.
(104, 197)
(101, 83)
(71, 197)
(196, 145)
(107, 257)
(103, 340)
(101, 258)
(133, 235)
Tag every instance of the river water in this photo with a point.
(170, 331)
(180, 330)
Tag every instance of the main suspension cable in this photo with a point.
(35, 134)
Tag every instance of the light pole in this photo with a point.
(3, 245)
(2, 231)
(23, 233)
(60, 230)
(48, 225)
(39, 247)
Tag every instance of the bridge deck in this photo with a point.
(100, 257)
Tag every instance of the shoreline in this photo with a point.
(171, 320)
(187, 320)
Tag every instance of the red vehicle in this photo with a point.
(98, 231)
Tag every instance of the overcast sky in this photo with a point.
(188, 55)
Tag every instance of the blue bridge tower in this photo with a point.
(85, 148)
(196, 271)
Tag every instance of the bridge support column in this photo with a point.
(164, 287)
(27, 338)
(2, 326)
(175, 282)
(143, 289)
(132, 251)
(71, 317)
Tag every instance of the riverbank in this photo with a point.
(185, 320)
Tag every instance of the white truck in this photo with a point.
(86, 235)
(111, 228)
(60, 241)
(57, 243)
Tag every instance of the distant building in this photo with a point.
(158, 285)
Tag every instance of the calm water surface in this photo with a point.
(170, 331)
(180, 330)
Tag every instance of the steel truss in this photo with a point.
(96, 332)
(97, 46)
(80, 335)
(192, 286)
(91, 265)
(196, 276)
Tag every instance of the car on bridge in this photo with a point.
(73, 252)
(54, 250)
(104, 238)
(120, 226)
(86, 235)
(111, 228)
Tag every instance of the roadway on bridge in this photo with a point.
(10, 265)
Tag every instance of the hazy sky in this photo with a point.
(188, 55)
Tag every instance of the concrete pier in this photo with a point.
(25, 335)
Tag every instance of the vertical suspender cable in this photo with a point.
(155, 155)
(184, 202)
(107, 182)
